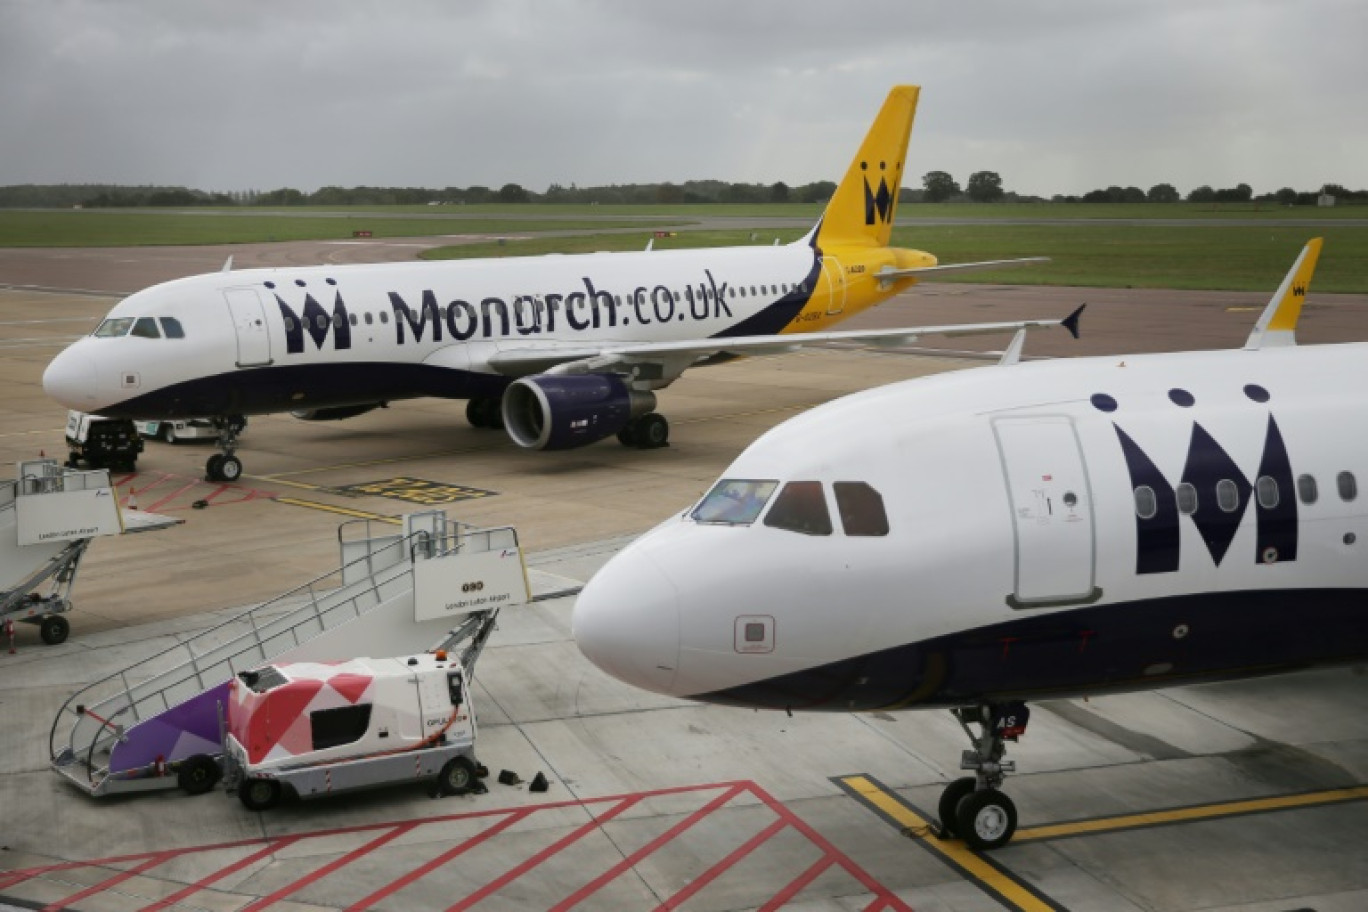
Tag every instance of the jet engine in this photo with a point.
(335, 413)
(553, 412)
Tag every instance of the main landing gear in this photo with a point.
(225, 466)
(973, 808)
(647, 432)
(485, 412)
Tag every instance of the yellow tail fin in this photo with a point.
(1278, 324)
(861, 211)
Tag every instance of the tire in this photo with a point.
(652, 431)
(457, 776)
(259, 794)
(230, 469)
(986, 820)
(54, 629)
(627, 436)
(168, 433)
(213, 468)
(954, 793)
(198, 774)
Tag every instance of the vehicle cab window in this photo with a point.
(171, 328)
(800, 507)
(734, 501)
(114, 327)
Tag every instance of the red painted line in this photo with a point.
(217, 491)
(717, 870)
(851, 868)
(669, 835)
(245, 861)
(111, 882)
(161, 480)
(427, 868)
(798, 883)
(170, 497)
(517, 871)
(331, 866)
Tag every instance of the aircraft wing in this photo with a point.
(919, 271)
(670, 359)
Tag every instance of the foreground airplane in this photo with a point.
(1031, 531)
(563, 351)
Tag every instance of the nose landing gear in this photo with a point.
(225, 466)
(972, 807)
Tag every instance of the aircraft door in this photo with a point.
(834, 278)
(249, 320)
(1052, 514)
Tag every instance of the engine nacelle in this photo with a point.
(336, 413)
(554, 412)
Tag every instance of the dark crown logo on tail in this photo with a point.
(878, 206)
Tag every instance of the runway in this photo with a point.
(1245, 795)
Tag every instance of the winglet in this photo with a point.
(1277, 325)
(1071, 321)
(227, 264)
(1012, 354)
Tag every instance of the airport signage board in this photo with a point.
(59, 516)
(459, 584)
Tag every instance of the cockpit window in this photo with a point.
(861, 508)
(734, 501)
(800, 507)
(116, 326)
(171, 328)
(146, 328)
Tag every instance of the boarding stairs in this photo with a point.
(131, 730)
(48, 515)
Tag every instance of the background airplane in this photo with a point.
(562, 351)
(981, 538)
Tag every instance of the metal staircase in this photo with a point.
(130, 730)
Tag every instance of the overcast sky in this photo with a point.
(1057, 96)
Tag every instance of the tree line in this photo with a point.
(937, 187)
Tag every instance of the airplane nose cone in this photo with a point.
(626, 621)
(70, 379)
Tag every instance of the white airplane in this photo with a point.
(1042, 530)
(563, 351)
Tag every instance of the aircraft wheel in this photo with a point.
(457, 776)
(986, 819)
(198, 774)
(627, 436)
(259, 794)
(54, 629)
(168, 433)
(475, 413)
(949, 803)
(230, 469)
(652, 431)
(213, 468)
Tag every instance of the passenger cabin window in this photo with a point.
(800, 507)
(1187, 498)
(335, 727)
(1227, 495)
(146, 328)
(1306, 489)
(1348, 486)
(171, 328)
(112, 328)
(1267, 489)
(861, 508)
(734, 501)
(1145, 503)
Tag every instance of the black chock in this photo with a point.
(481, 771)
(200, 504)
(508, 777)
(539, 783)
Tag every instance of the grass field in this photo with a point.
(141, 227)
(1137, 256)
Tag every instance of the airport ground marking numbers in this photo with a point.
(416, 490)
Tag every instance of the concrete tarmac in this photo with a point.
(1245, 795)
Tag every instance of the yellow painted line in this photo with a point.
(1243, 308)
(291, 484)
(327, 508)
(377, 462)
(1200, 812)
(987, 875)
